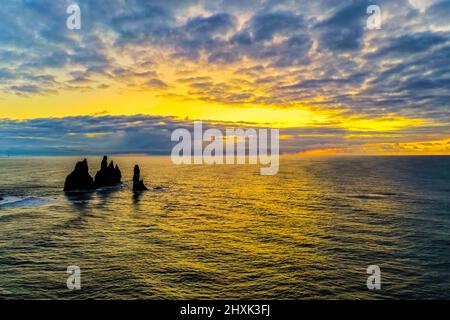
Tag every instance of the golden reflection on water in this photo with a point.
(218, 232)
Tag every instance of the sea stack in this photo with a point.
(79, 179)
(108, 175)
(138, 185)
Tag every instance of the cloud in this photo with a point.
(87, 135)
(344, 29)
(265, 26)
(96, 135)
(265, 53)
(438, 13)
(410, 44)
(156, 83)
(217, 23)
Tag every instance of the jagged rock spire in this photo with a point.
(108, 175)
(138, 185)
(79, 179)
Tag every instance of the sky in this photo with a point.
(138, 69)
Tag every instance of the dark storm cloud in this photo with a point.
(344, 29)
(96, 135)
(265, 26)
(410, 44)
(353, 80)
(86, 135)
(221, 22)
(143, 22)
(439, 12)
(256, 40)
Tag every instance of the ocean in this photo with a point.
(226, 232)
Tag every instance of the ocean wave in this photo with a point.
(22, 202)
(112, 188)
(373, 196)
(160, 188)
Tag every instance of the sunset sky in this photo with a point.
(137, 69)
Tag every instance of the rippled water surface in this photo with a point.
(226, 232)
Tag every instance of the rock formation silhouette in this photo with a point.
(79, 179)
(108, 175)
(138, 185)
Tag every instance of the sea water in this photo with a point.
(206, 232)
